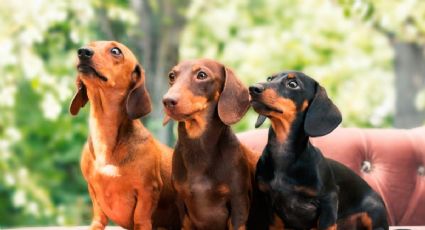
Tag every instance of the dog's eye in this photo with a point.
(269, 78)
(171, 77)
(201, 75)
(116, 51)
(292, 84)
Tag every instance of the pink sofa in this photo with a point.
(392, 161)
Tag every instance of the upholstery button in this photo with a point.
(421, 170)
(366, 166)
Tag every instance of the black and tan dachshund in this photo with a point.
(303, 189)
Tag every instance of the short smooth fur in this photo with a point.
(128, 172)
(304, 189)
(212, 171)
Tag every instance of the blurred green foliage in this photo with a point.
(258, 38)
(403, 20)
(40, 143)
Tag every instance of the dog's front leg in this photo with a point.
(99, 219)
(147, 199)
(239, 211)
(184, 216)
(328, 212)
(187, 224)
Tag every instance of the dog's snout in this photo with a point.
(85, 53)
(256, 89)
(169, 102)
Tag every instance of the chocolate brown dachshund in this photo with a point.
(212, 172)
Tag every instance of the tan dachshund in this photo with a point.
(127, 170)
(212, 172)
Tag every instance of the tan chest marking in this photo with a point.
(108, 170)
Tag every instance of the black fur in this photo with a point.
(301, 186)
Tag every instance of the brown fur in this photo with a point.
(127, 170)
(212, 171)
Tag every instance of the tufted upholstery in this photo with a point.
(391, 160)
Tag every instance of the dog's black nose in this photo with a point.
(256, 89)
(85, 53)
(169, 102)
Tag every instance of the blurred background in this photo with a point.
(369, 54)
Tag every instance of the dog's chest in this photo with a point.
(202, 187)
(115, 193)
(206, 179)
(205, 201)
(297, 208)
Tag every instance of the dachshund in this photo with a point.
(304, 189)
(128, 172)
(212, 171)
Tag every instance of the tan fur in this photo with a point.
(306, 190)
(366, 221)
(291, 75)
(127, 170)
(280, 124)
(304, 106)
(332, 227)
(356, 221)
(277, 223)
(196, 125)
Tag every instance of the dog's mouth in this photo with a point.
(182, 116)
(264, 110)
(184, 112)
(171, 114)
(88, 69)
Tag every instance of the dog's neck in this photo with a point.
(210, 135)
(204, 147)
(107, 121)
(294, 144)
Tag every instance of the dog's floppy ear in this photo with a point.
(80, 98)
(234, 99)
(138, 100)
(322, 115)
